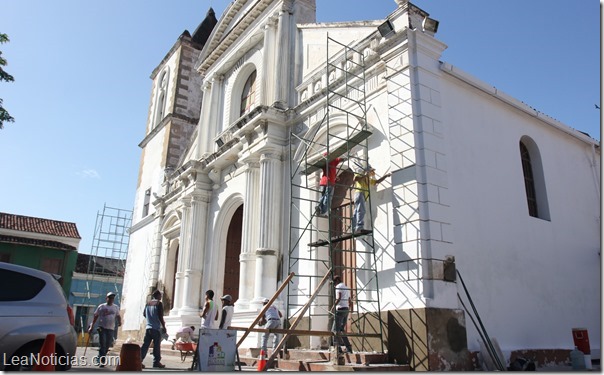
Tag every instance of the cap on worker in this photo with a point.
(368, 168)
(265, 300)
(227, 297)
(110, 294)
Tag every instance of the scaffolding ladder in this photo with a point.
(320, 244)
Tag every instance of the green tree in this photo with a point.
(4, 76)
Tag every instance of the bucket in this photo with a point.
(581, 340)
(130, 358)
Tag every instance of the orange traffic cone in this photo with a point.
(46, 359)
(262, 360)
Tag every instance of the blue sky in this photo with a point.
(81, 91)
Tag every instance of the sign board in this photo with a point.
(216, 350)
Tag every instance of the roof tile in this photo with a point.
(38, 225)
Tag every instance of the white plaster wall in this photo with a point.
(314, 42)
(153, 156)
(399, 285)
(172, 64)
(136, 278)
(151, 174)
(531, 280)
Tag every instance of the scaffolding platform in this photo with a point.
(343, 237)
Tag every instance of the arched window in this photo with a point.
(248, 95)
(534, 180)
(529, 181)
(160, 106)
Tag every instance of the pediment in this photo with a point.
(234, 22)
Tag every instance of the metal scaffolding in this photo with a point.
(107, 259)
(319, 244)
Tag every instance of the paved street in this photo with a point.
(169, 358)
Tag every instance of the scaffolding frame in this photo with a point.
(110, 242)
(334, 246)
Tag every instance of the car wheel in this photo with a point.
(29, 351)
(24, 354)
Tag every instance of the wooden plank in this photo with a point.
(302, 332)
(271, 359)
(338, 151)
(341, 238)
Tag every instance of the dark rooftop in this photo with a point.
(203, 31)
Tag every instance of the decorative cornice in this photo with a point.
(141, 224)
(169, 117)
(200, 196)
(270, 155)
(220, 40)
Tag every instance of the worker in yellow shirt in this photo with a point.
(364, 179)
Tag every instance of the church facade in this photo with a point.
(480, 184)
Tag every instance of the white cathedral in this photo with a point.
(482, 186)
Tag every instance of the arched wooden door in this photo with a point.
(342, 205)
(233, 251)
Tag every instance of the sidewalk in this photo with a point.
(170, 358)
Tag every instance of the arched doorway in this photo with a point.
(342, 205)
(233, 251)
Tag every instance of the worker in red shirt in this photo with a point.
(327, 183)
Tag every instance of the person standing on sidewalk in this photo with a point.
(227, 311)
(271, 319)
(154, 313)
(343, 306)
(107, 314)
(210, 312)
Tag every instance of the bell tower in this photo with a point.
(174, 110)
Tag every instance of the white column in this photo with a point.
(182, 256)
(247, 259)
(213, 126)
(282, 62)
(268, 70)
(195, 255)
(206, 107)
(157, 248)
(270, 224)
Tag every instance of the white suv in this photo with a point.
(32, 305)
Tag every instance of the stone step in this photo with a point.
(301, 365)
(305, 360)
(327, 355)
(323, 360)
